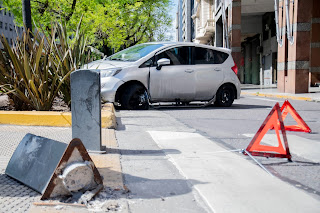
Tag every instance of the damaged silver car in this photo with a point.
(168, 72)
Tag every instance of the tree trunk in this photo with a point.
(26, 14)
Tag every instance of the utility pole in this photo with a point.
(26, 14)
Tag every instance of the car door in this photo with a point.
(209, 71)
(174, 81)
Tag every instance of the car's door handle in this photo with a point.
(217, 69)
(189, 71)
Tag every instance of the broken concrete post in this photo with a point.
(86, 108)
(53, 168)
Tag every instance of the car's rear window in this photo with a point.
(209, 56)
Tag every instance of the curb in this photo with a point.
(57, 119)
(277, 96)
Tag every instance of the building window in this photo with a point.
(5, 26)
(5, 11)
(11, 41)
(10, 14)
(10, 27)
(1, 24)
(0, 10)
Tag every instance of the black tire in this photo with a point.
(134, 97)
(225, 96)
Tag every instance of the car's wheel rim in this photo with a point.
(138, 99)
(225, 96)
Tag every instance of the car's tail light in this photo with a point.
(235, 69)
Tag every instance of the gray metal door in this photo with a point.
(172, 82)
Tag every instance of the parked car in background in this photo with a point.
(168, 72)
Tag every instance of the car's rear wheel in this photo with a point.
(135, 97)
(225, 96)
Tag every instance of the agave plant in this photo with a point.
(73, 53)
(30, 72)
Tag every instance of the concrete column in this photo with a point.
(235, 30)
(299, 51)
(315, 44)
(298, 61)
(86, 108)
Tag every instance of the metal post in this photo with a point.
(289, 25)
(225, 25)
(278, 30)
(26, 13)
(264, 168)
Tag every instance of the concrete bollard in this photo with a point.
(86, 108)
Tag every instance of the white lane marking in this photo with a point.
(226, 180)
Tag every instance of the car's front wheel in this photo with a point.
(225, 96)
(134, 97)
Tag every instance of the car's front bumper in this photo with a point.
(109, 86)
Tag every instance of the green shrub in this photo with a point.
(29, 72)
(73, 53)
(37, 69)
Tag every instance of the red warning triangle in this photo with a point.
(301, 125)
(272, 121)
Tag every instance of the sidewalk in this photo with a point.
(156, 184)
(16, 197)
(257, 90)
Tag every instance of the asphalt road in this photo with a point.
(181, 159)
(232, 128)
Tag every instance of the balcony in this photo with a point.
(205, 33)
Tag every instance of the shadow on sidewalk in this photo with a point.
(137, 187)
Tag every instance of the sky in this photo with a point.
(173, 12)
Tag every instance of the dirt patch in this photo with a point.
(58, 104)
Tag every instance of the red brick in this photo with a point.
(304, 10)
(236, 38)
(316, 9)
(236, 15)
(301, 81)
(315, 32)
(315, 57)
(280, 80)
(300, 50)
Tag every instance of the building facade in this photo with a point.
(248, 29)
(185, 26)
(272, 41)
(8, 27)
(203, 19)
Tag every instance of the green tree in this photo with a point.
(108, 24)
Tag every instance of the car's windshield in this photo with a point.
(134, 53)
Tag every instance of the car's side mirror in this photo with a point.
(161, 62)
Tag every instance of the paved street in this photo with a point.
(230, 127)
(181, 158)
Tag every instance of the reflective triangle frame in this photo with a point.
(301, 124)
(272, 121)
